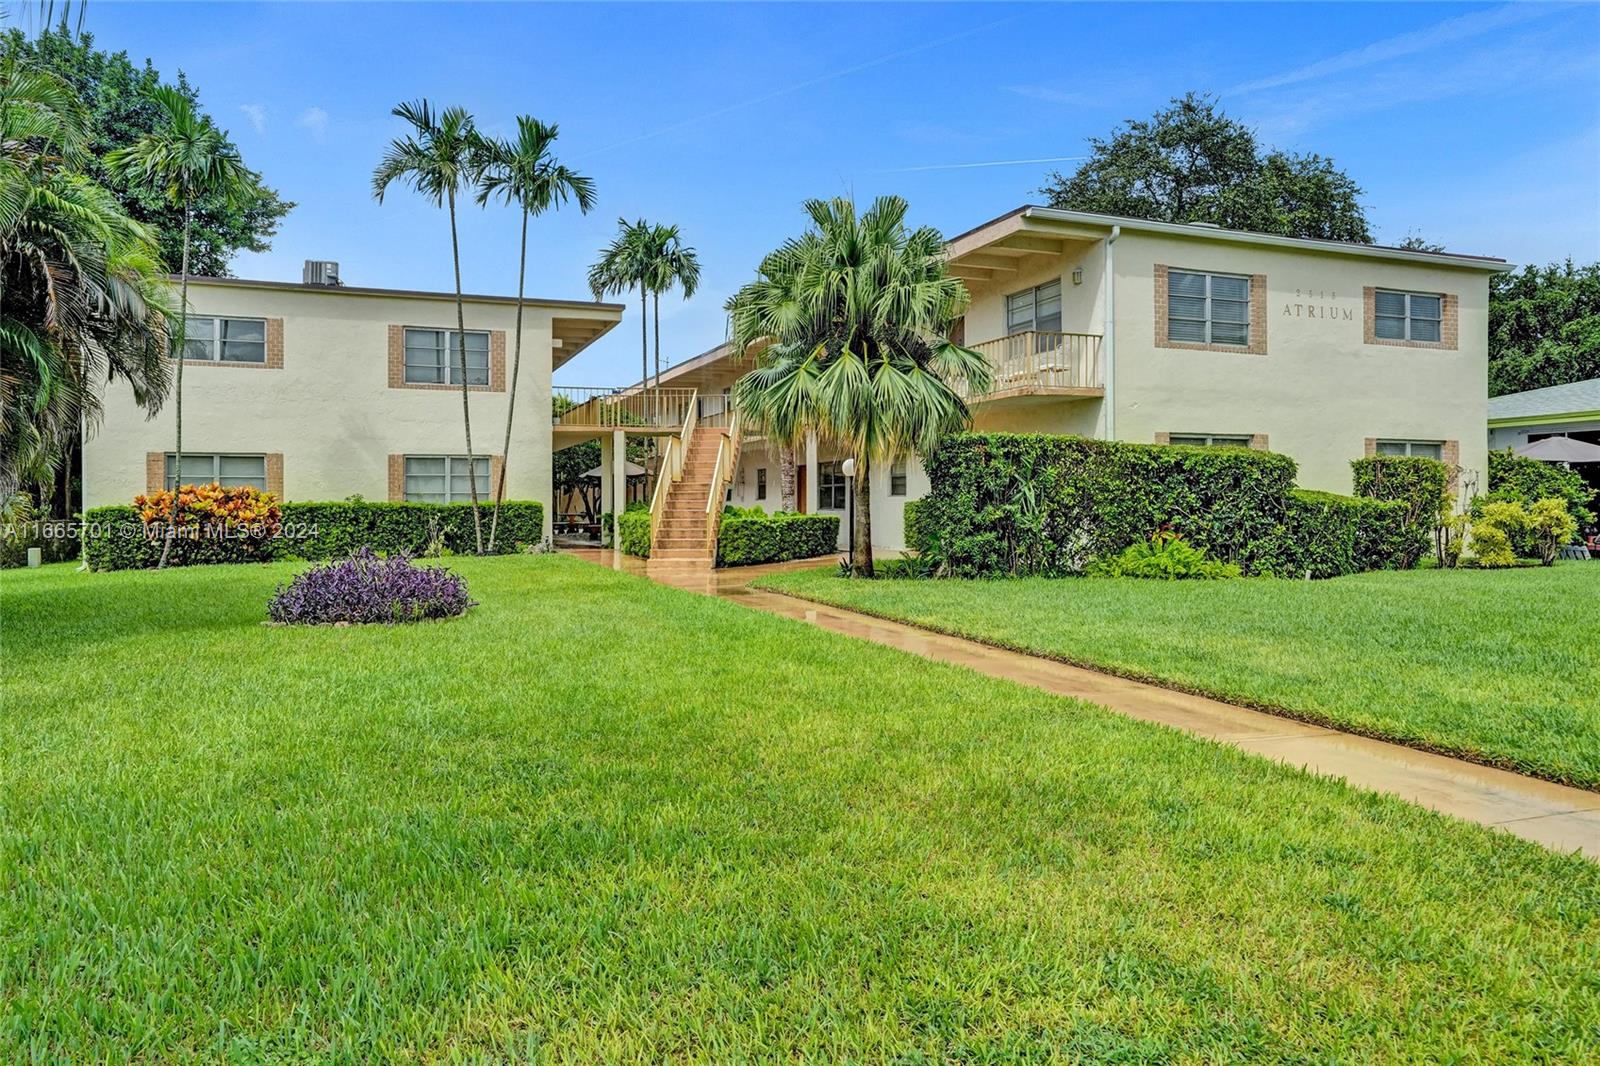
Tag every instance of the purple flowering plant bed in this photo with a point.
(369, 588)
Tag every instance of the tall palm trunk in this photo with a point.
(863, 528)
(655, 298)
(511, 401)
(644, 345)
(461, 352)
(177, 385)
(786, 480)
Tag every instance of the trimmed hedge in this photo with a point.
(1329, 535)
(751, 536)
(633, 531)
(114, 537)
(1035, 504)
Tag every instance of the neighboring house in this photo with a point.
(1561, 410)
(321, 391)
(1186, 334)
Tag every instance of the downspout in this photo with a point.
(1110, 327)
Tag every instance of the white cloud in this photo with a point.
(316, 120)
(1401, 45)
(1049, 95)
(257, 114)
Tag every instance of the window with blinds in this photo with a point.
(433, 359)
(1210, 440)
(225, 470)
(1421, 449)
(445, 478)
(224, 340)
(1407, 316)
(1208, 308)
(1038, 309)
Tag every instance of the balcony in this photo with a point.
(1044, 363)
(643, 411)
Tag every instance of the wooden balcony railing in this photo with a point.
(623, 409)
(1037, 359)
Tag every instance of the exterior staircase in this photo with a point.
(682, 534)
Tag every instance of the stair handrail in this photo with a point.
(727, 464)
(691, 421)
(664, 480)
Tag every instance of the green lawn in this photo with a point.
(601, 820)
(1499, 666)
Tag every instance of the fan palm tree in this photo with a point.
(523, 172)
(851, 323)
(626, 264)
(187, 157)
(440, 158)
(83, 294)
(672, 263)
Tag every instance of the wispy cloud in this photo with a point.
(1450, 31)
(257, 114)
(1048, 94)
(984, 163)
(315, 120)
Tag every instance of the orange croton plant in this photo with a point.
(212, 506)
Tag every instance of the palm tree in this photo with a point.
(83, 294)
(672, 263)
(626, 264)
(523, 172)
(187, 158)
(852, 324)
(440, 158)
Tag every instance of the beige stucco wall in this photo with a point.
(1319, 390)
(330, 411)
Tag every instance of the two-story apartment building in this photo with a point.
(322, 391)
(1134, 330)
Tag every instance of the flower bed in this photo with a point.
(367, 588)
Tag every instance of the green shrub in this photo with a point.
(750, 535)
(1527, 481)
(633, 531)
(1329, 535)
(1036, 504)
(918, 537)
(1551, 525)
(1492, 531)
(1421, 484)
(1166, 557)
(115, 538)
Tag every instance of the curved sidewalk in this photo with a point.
(1557, 816)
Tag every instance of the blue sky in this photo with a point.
(1477, 126)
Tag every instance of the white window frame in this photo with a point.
(1408, 448)
(830, 482)
(897, 476)
(212, 461)
(1210, 440)
(451, 359)
(1210, 318)
(213, 339)
(450, 475)
(1408, 316)
(1032, 293)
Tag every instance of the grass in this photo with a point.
(1502, 667)
(601, 820)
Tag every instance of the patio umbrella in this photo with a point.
(635, 470)
(1561, 450)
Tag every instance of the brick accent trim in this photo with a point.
(1369, 448)
(397, 363)
(1449, 325)
(1258, 442)
(274, 351)
(397, 478)
(1258, 317)
(275, 474)
(1163, 438)
(497, 465)
(1450, 455)
(155, 471)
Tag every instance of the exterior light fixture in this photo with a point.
(1077, 275)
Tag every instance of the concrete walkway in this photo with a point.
(1559, 817)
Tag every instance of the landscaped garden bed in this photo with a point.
(522, 837)
(1498, 667)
